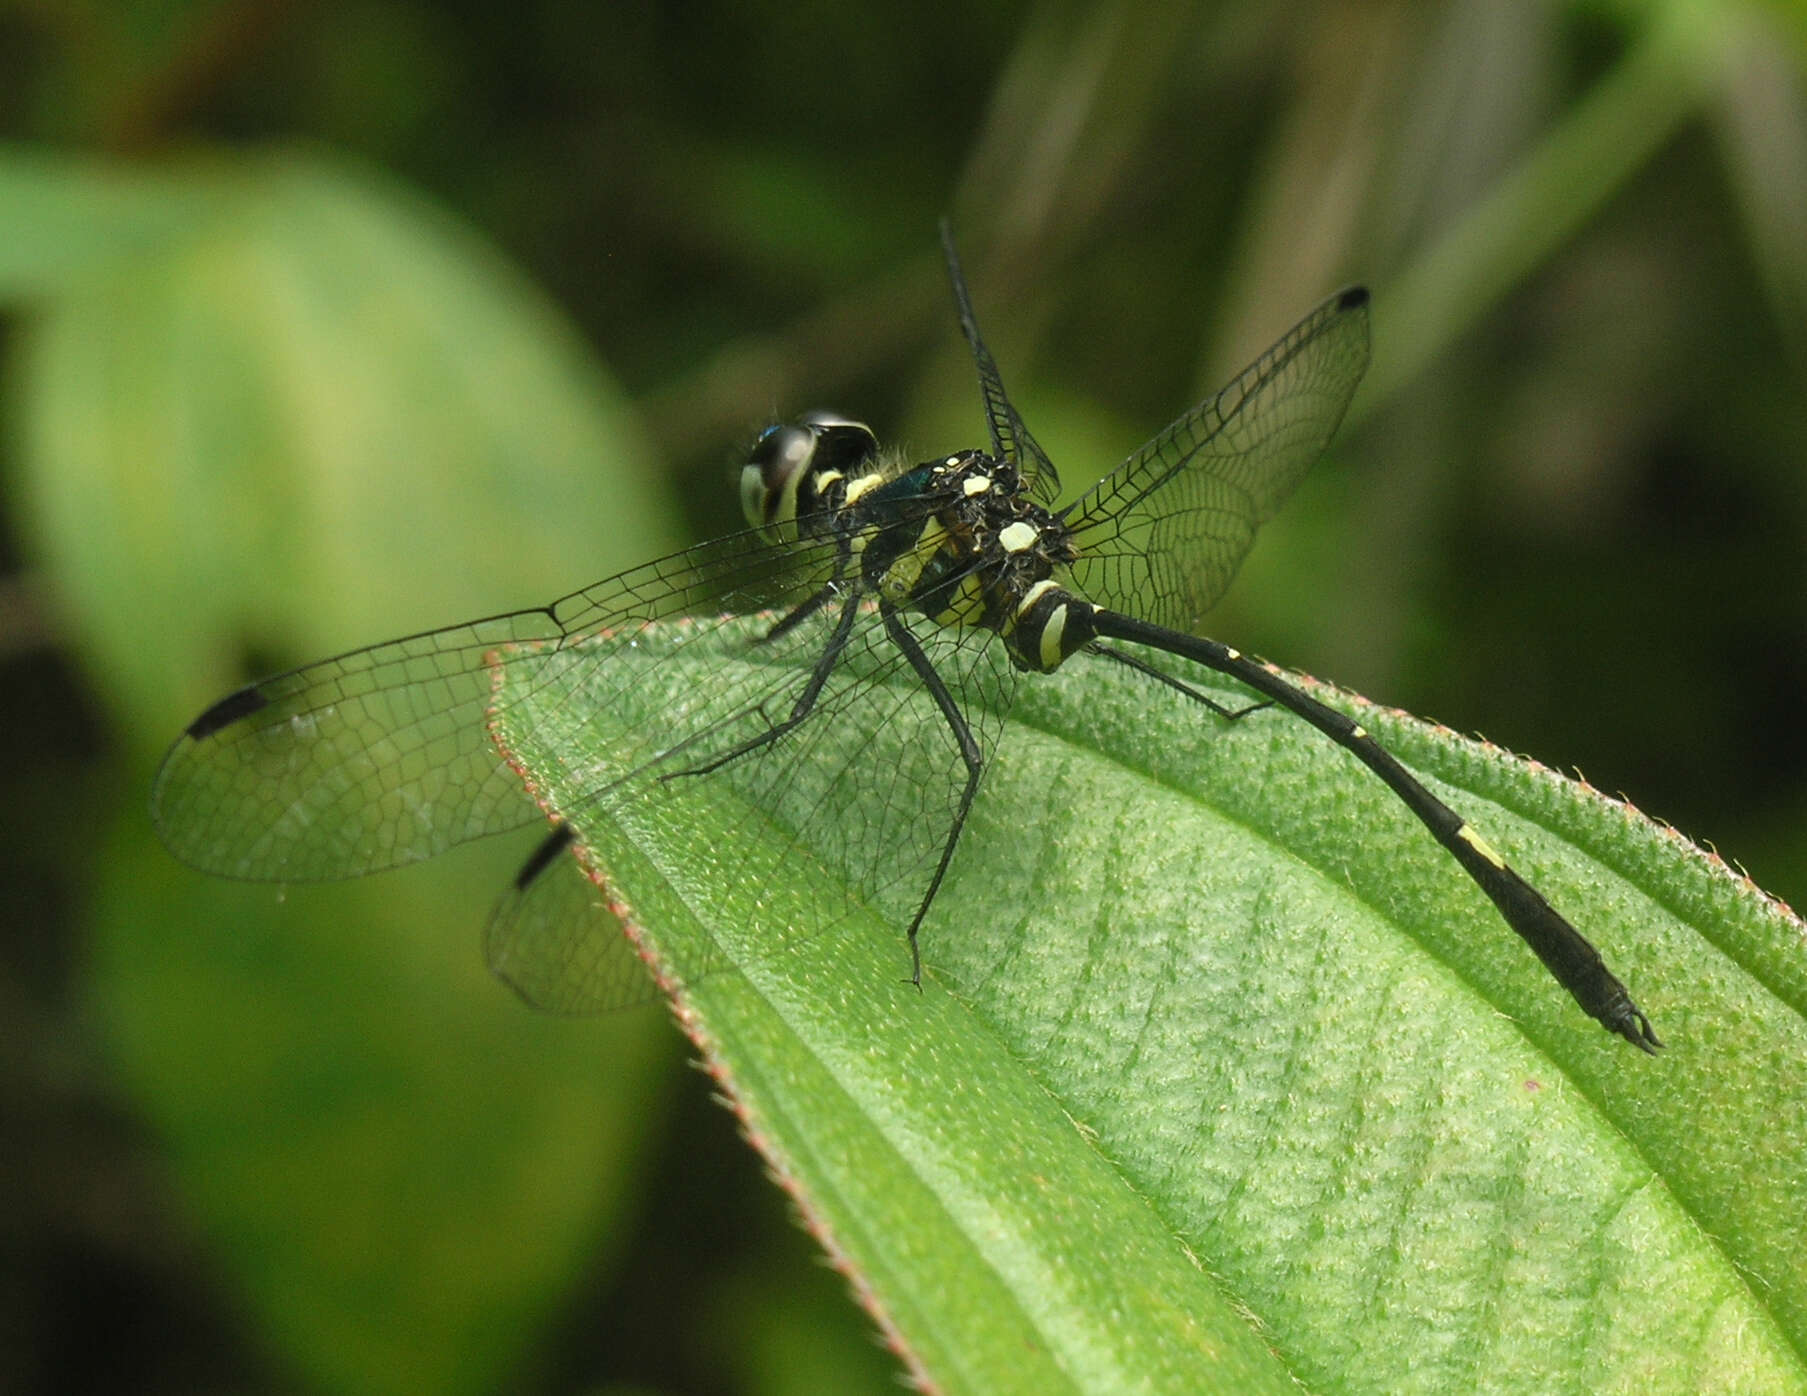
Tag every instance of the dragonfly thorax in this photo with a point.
(980, 551)
(958, 539)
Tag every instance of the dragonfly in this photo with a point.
(836, 676)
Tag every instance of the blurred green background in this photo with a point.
(327, 322)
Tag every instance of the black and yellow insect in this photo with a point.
(904, 601)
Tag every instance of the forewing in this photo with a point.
(381, 756)
(1161, 536)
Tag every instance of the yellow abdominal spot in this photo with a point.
(1033, 595)
(1051, 633)
(1480, 845)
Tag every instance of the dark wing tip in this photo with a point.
(542, 857)
(228, 711)
(1352, 298)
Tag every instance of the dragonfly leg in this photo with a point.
(1129, 661)
(806, 700)
(969, 753)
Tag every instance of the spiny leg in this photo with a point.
(1129, 661)
(969, 753)
(806, 701)
(798, 614)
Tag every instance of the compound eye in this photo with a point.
(775, 465)
(841, 443)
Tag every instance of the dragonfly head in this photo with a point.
(791, 463)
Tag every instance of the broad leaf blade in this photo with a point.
(326, 414)
(69, 217)
(269, 407)
(1205, 1001)
(931, 1167)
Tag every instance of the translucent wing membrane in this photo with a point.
(1161, 536)
(359, 763)
(380, 757)
(552, 939)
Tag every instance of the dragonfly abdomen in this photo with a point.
(1050, 625)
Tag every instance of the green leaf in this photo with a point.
(403, 1171)
(1224, 1077)
(318, 412)
(326, 415)
(68, 218)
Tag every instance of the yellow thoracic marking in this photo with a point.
(1233, 654)
(1051, 633)
(1480, 845)
(1034, 594)
(1014, 538)
(901, 577)
(825, 478)
(967, 605)
(865, 484)
(976, 484)
(1358, 731)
